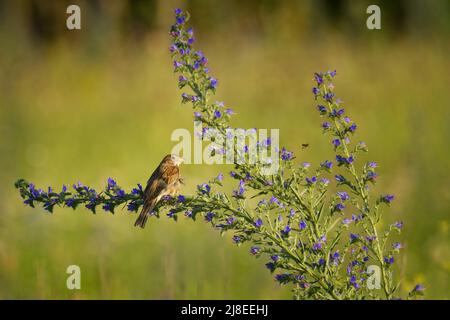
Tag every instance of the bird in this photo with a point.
(164, 181)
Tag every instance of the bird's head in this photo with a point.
(177, 160)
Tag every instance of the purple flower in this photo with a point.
(178, 11)
(315, 91)
(177, 64)
(353, 237)
(240, 192)
(372, 164)
(322, 109)
(254, 250)
(398, 224)
(229, 111)
(418, 288)
(237, 239)
(275, 258)
(181, 198)
(343, 195)
(336, 143)
(302, 225)
(204, 188)
(282, 277)
(213, 83)
(339, 207)
(343, 160)
(311, 180)
(397, 245)
(108, 207)
(389, 260)
(217, 114)
(286, 155)
(319, 79)
(286, 230)
(352, 128)
(231, 220)
(340, 178)
(270, 266)
(258, 223)
(220, 177)
(71, 203)
(137, 191)
(329, 96)
(132, 206)
(371, 176)
(111, 183)
(387, 198)
(327, 164)
(209, 216)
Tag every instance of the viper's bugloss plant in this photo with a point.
(318, 241)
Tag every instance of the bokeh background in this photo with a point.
(86, 105)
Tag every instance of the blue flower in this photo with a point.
(418, 288)
(178, 11)
(353, 237)
(387, 198)
(322, 109)
(329, 96)
(181, 198)
(108, 207)
(389, 260)
(398, 224)
(270, 266)
(352, 128)
(397, 245)
(111, 183)
(70, 202)
(213, 83)
(258, 223)
(282, 277)
(137, 191)
(302, 225)
(209, 216)
(188, 213)
(340, 178)
(254, 250)
(318, 78)
(275, 258)
(315, 91)
(217, 114)
(286, 155)
(343, 195)
(237, 239)
(339, 207)
(132, 206)
(327, 164)
(204, 188)
(229, 111)
(336, 142)
(326, 125)
(311, 180)
(286, 230)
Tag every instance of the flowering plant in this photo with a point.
(318, 241)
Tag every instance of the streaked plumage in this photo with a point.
(164, 181)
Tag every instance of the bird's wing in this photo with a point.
(163, 176)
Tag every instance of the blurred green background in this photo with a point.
(86, 105)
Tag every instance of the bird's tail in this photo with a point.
(145, 213)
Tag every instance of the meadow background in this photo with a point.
(100, 102)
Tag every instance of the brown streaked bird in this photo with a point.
(164, 181)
